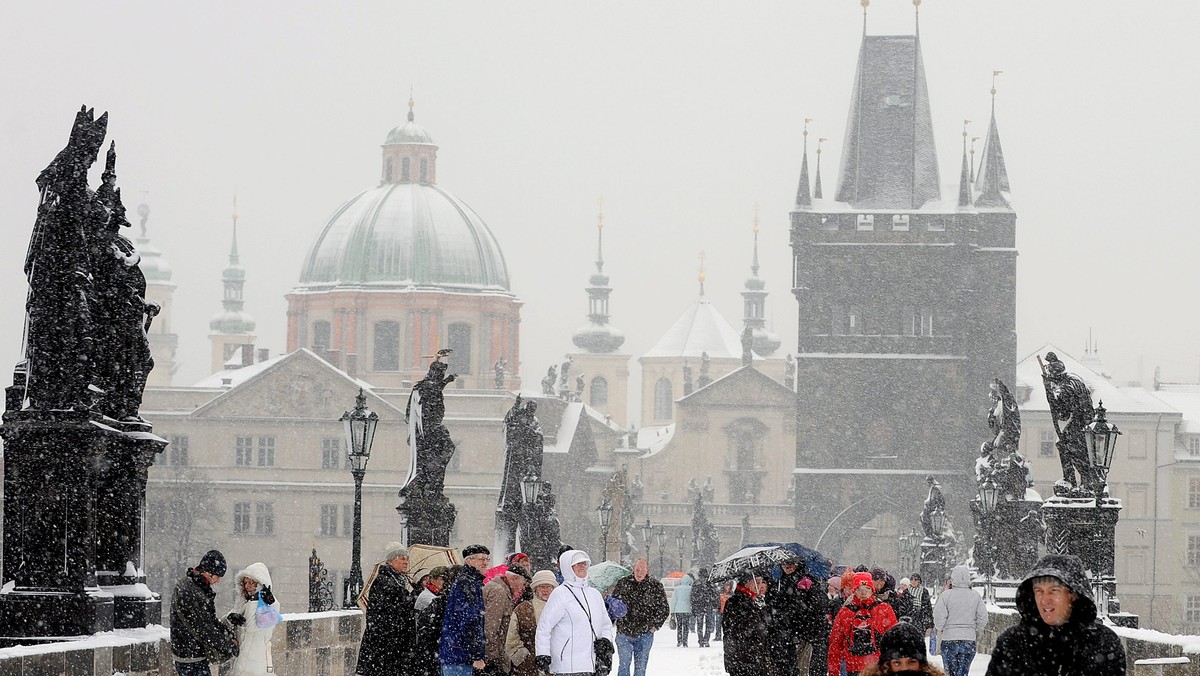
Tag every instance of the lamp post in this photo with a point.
(937, 518)
(647, 531)
(988, 493)
(1101, 438)
(662, 543)
(360, 435)
(527, 534)
(605, 512)
(904, 552)
(679, 539)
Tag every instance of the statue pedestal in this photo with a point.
(51, 475)
(934, 568)
(430, 517)
(1081, 527)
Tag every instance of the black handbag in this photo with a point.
(602, 648)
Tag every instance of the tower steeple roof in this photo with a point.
(803, 196)
(964, 178)
(992, 181)
(888, 158)
(599, 336)
(233, 319)
(817, 178)
(755, 304)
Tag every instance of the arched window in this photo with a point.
(458, 338)
(320, 339)
(424, 170)
(387, 346)
(404, 169)
(599, 391)
(388, 171)
(663, 398)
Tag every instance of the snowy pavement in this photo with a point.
(668, 660)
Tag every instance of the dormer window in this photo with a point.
(900, 222)
(866, 222)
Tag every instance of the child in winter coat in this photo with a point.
(902, 651)
(857, 628)
(254, 655)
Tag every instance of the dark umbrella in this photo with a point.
(816, 565)
(749, 558)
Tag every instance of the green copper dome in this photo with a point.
(406, 234)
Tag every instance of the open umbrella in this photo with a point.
(424, 558)
(605, 574)
(749, 558)
(816, 564)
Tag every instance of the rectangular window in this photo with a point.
(264, 519)
(1136, 444)
(156, 517)
(1194, 493)
(922, 322)
(331, 453)
(347, 520)
(1191, 613)
(387, 346)
(854, 321)
(266, 451)
(244, 452)
(1194, 446)
(1135, 570)
(177, 452)
(1136, 502)
(1193, 550)
(458, 338)
(329, 520)
(1046, 441)
(900, 222)
(241, 517)
(866, 222)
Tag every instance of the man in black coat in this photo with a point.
(1058, 632)
(197, 636)
(921, 606)
(705, 599)
(387, 642)
(791, 617)
(744, 623)
(647, 603)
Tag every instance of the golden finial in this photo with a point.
(701, 275)
(965, 123)
(600, 214)
(994, 74)
(819, 142)
(235, 213)
(756, 229)
(865, 4)
(806, 121)
(917, 4)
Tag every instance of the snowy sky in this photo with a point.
(682, 116)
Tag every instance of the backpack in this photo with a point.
(863, 639)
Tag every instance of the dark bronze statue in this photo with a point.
(549, 380)
(688, 385)
(428, 438)
(706, 545)
(705, 378)
(499, 370)
(1070, 400)
(747, 346)
(523, 441)
(934, 501)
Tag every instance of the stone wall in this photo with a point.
(308, 644)
(1146, 651)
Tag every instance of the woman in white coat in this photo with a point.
(254, 653)
(573, 618)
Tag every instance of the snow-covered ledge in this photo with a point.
(303, 644)
(1144, 646)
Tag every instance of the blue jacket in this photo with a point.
(462, 640)
(681, 598)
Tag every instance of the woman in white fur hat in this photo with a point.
(254, 654)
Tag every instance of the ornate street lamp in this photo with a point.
(531, 486)
(938, 518)
(647, 529)
(679, 539)
(360, 435)
(605, 513)
(1101, 438)
(989, 492)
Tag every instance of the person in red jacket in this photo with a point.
(857, 629)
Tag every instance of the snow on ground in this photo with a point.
(668, 660)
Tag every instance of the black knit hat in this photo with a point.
(472, 550)
(902, 640)
(213, 562)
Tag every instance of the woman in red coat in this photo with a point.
(858, 627)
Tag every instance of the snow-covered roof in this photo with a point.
(654, 439)
(1186, 400)
(232, 377)
(566, 429)
(1116, 399)
(699, 329)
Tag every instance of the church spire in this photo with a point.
(992, 182)
(964, 179)
(232, 328)
(598, 336)
(803, 196)
(817, 179)
(754, 303)
(700, 277)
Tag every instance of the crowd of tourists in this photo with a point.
(473, 618)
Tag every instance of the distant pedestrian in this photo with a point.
(921, 606)
(520, 644)
(960, 614)
(785, 619)
(902, 651)
(198, 638)
(429, 623)
(647, 603)
(573, 622)
(857, 629)
(390, 633)
(681, 609)
(254, 642)
(462, 646)
(1058, 632)
(747, 644)
(705, 598)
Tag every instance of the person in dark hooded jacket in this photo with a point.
(1059, 632)
(747, 643)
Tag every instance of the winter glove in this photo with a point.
(236, 619)
(267, 596)
(543, 662)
